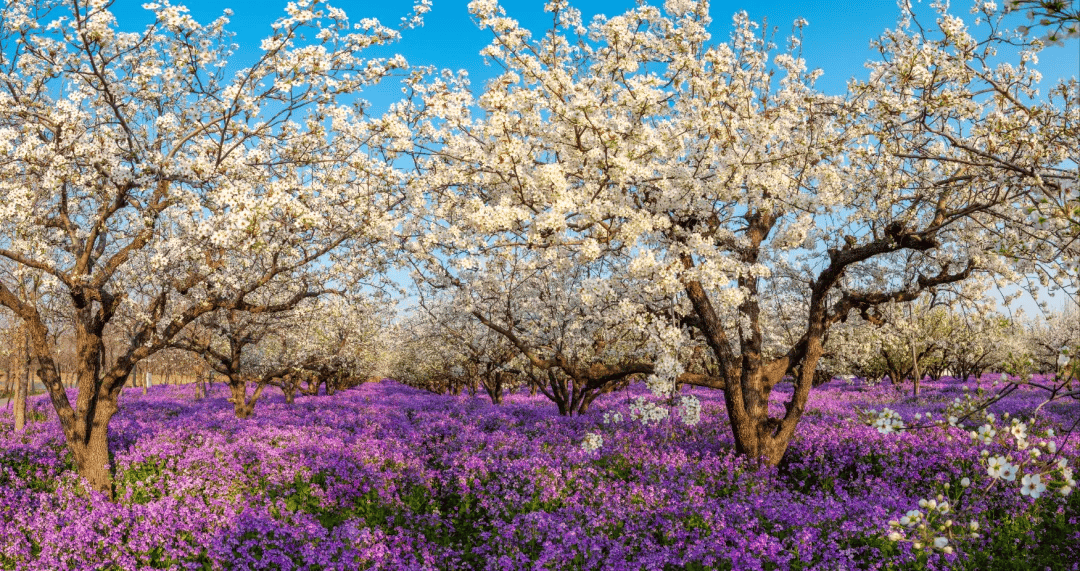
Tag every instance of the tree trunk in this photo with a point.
(748, 379)
(243, 405)
(586, 401)
(22, 386)
(93, 458)
(85, 422)
(759, 436)
(493, 386)
(915, 365)
(9, 383)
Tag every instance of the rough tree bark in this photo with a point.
(243, 403)
(289, 390)
(22, 385)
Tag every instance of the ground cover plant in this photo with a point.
(384, 476)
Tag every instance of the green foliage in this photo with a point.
(696, 566)
(301, 496)
(874, 548)
(615, 467)
(24, 465)
(1029, 541)
(143, 481)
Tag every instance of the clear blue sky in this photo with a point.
(836, 40)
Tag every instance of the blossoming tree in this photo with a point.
(326, 338)
(134, 167)
(711, 170)
(447, 350)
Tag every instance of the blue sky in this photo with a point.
(836, 40)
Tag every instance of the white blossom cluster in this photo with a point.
(668, 367)
(933, 529)
(689, 410)
(592, 442)
(888, 421)
(647, 412)
(999, 467)
(611, 417)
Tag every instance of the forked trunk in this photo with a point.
(765, 438)
(86, 425)
(493, 385)
(749, 378)
(495, 394)
(289, 387)
(98, 381)
(238, 397)
(243, 404)
(87, 430)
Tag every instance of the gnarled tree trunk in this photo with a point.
(243, 404)
(749, 379)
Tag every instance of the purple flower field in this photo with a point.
(387, 477)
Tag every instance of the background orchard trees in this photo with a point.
(1044, 338)
(710, 170)
(325, 339)
(17, 368)
(134, 166)
(419, 356)
(22, 364)
(580, 326)
(964, 341)
(448, 350)
(928, 337)
(547, 309)
(336, 342)
(478, 356)
(910, 341)
(227, 341)
(977, 343)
